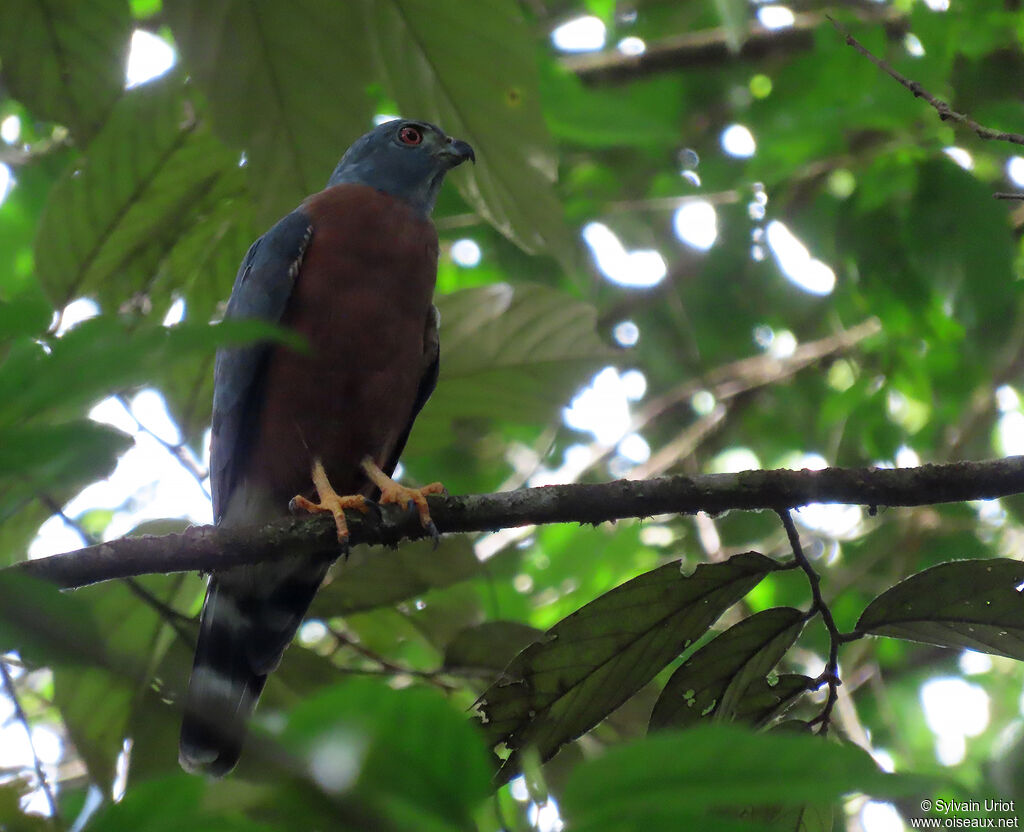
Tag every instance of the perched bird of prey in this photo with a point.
(352, 270)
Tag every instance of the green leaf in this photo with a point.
(973, 604)
(180, 801)
(715, 679)
(763, 700)
(376, 576)
(104, 354)
(46, 626)
(592, 661)
(97, 705)
(437, 60)
(123, 205)
(64, 59)
(490, 645)
(407, 753)
(604, 118)
(12, 817)
(733, 15)
(695, 779)
(510, 353)
(37, 460)
(286, 82)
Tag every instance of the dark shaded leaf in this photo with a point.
(64, 59)
(422, 50)
(46, 626)
(285, 82)
(47, 462)
(764, 700)
(490, 645)
(97, 705)
(691, 780)
(139, 184)
(715, 679)
(592, 661)
(376, 576)
(973, 604)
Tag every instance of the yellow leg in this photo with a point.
(392, 492)
(330, 501)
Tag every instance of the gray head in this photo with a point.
(407, 159)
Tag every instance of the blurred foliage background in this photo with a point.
(701, 236)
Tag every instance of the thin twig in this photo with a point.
(946, 113)
(19, 713)
(386, 665)
(177, 621)
(178, 450)
(830, 676)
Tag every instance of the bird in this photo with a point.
(352, 271)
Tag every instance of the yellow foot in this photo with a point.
(392, 492)
(330, 502)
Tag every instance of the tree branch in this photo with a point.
(945, 112)
(208, 548)
(713, 47)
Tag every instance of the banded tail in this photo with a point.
(249, 617)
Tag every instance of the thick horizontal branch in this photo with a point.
(208, 548)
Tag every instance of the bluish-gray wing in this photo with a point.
(428, 381)
(262, 288)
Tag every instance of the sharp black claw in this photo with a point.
(293, 506)
(345, 549)
(411, 505)
(377, 508)
(435, 535)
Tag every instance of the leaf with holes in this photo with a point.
(593, 660)
(141, 182)
(715, 679)
(973, 604)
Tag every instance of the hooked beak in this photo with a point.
(454, 152)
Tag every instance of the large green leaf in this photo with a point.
(438, 60)
(102, 355)
(507, 353)
(286, 82)
(407, 753)
(48, 462)
(699, 779)
(46, 626)
(490, 645)
(973, 604)
(375, 576)
(713, 680)
(65, 59)
(140, 183)
(592, 661)
(96, 705)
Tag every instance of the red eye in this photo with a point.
(410, 135)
